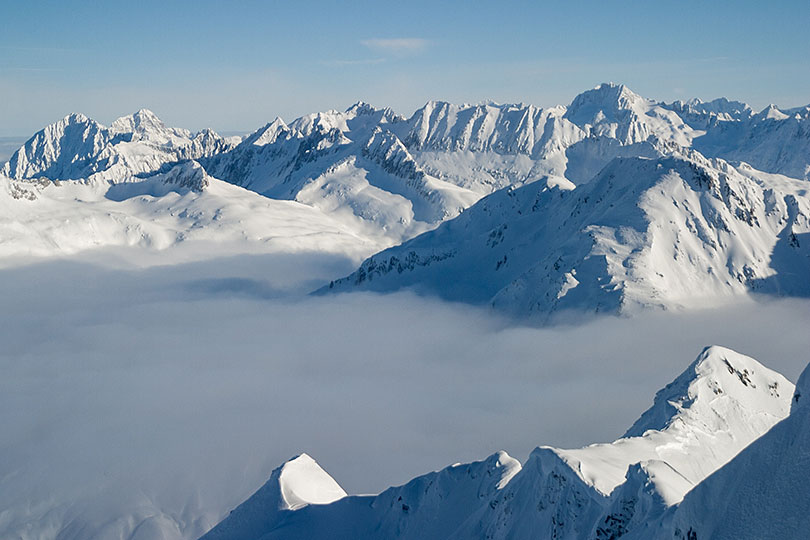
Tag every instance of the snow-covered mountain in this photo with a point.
(78, 147)
(761, 493)
(678, 230)
(720, 404)
(345, 164)
(178, 204)
(79, 185)
(610, 203)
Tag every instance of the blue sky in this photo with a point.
(236, 65)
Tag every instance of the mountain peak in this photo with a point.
(612, 88)
(615, 111)
(144, 113)
(772, 112)
(141, 121)
(76, 118)
(268, 134)
(699, 113)
(297, 483)
(718, 373)
(361, 108)
(607, 95)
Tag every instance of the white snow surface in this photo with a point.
(182, 206)
(678, 231)
(391, 178)
(697, 424)
(295, 484)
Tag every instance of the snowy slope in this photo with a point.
(181, 205)
(679, 230)
(761, 493)
(387, 179)
(719, 405)
(345, 163)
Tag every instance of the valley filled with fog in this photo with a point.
(180, 387)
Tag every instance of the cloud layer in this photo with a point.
(397, 46)
(184, 386)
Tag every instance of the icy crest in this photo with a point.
(294, 485)
(719, 376)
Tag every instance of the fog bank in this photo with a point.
(182, 387)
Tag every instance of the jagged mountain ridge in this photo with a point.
(721, 403)
(677, 231)
(460, 152)
(78, 147)
(388, 178)
(609, 111)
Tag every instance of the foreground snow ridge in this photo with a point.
(662, 479)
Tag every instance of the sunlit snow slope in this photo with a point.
(673, 231)
(375, 179)
(700, 421)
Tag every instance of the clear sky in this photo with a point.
(234, 65)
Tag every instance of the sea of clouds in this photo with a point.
(179, 388)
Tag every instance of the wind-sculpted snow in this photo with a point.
(699, 422)
(669, 232)
(297, 483)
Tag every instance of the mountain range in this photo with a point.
(610, 204)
